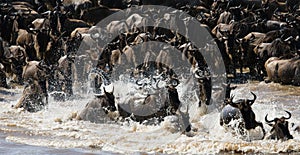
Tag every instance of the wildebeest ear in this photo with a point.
(270, 124)
(239, 41)
(232, 88)
(32, 30)
(289, 39)
(40, 66)
(78, 35)
(252, 37)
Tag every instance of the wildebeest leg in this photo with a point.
(20, 102)
(19, 70)
(68, 79)
(98, 84)
(248, 139)
(205, 91)
(23, 97)
(3, 82)
(43, 86)
(241, 68)
(260, 69)
(52, 83)
(262, 128)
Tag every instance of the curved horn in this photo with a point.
(187, 108)
(266, 119)
(252, 101)
(104, 90)
(231, 98)
(290, 115)
(138, 83)
(156, 85)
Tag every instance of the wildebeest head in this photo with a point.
(280, 129)
(228, 91)
(243, 104)
(108, 100)
(44, 70)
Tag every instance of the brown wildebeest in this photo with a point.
(285, 71)
(27, 41)
(246, 46)
(93, 15)
(35, 95)
(100, 105)
(32, 99)
(16, 56)
(277, 48)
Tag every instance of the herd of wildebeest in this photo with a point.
(39, 40)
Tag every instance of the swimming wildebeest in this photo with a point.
(280, 128)
(35, 95)
(96, 109)
(240, 109)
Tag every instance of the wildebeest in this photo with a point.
(246, 46)
(63, 79)
(280, 128)
(27, 41)
(35, 95)
(240, 109)
(96, 109)
(16, 57)
(9, 28)
(32, 98)
(149, 108)
(96, 14)
(285, 71)
(277, 48)
(143, 108)
(3, 82)
(36, 71)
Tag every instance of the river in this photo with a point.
(53, 131)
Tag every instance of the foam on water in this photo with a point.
(53, 127)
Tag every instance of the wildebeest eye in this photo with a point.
(174, 82)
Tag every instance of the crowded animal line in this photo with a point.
(150, 77)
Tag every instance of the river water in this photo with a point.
(53, 131)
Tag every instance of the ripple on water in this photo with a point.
(21, 131)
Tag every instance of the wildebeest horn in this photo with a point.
(266, 119)
(231, 97)
(156, 85)
(104, 90)
(289, 39)
(138, 83)
(252, 101)
(290, 115)
(158, 76)
(187, 109)
(61, 35)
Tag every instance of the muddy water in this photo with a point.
(51, 131)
